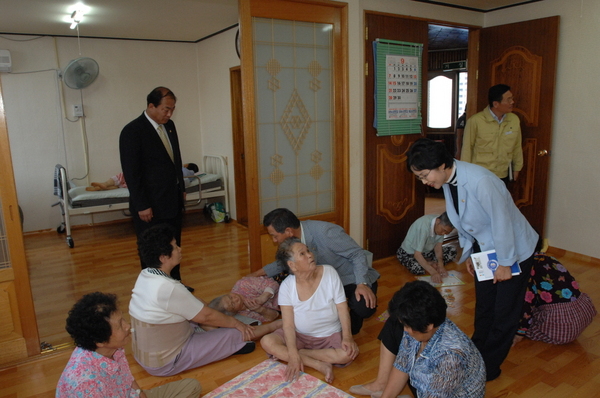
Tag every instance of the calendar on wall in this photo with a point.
(398, 68)
(402, 81)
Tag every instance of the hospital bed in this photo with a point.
(210, 182)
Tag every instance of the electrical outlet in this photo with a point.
(77, 110)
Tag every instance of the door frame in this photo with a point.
(239, 157)
(301, 10)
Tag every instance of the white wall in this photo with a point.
(573, 213)
(40, 137)
(216, 56)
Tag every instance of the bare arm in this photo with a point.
(429, 267)
(395, 384)
(348, 343)
(438, 249)
(295, 365)
(210, 317)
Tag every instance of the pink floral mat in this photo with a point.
(267, 380)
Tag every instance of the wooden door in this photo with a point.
(394, 197)
(239, 157)
(291, 114)
(523, 55)
(18, 328)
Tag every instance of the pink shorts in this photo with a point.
(314, 343)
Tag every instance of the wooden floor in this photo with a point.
(215, 256)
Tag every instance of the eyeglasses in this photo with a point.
(424, 177)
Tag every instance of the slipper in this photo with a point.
(378, 394)
(360, 390)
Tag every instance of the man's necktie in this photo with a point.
(165, 141)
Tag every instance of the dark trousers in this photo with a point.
(497, 314)
(391, 336)
(358, 309)
(141, 226)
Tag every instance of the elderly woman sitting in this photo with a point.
(98, 367)
(316, 322)
(175, 331)
(254, 297)
(439, 359)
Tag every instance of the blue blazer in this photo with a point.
(487, 213)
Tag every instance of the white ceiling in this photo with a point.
(171, 20)
(178, 20)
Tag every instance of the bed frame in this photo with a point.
(210, 164)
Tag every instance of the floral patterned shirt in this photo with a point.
(449, 366)
(252, 287)
(550, 282)
(89, 374)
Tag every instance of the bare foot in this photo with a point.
(92, 189)
(327, 370)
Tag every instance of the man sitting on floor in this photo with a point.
(422, 250)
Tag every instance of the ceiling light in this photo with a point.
(77, 15)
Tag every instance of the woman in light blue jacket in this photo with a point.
(486, 218)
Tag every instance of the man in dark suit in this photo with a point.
(151, 163)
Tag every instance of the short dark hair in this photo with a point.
(496, 92)
(88, 322)
(285, 253)
(418, 305)
(155, 242)
(193, 167)
(426, 154)
(155, 97)
(280, 219)
(444, 220)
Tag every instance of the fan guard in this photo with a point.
(81, 72)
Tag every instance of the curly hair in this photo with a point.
(156, 242)
(88, 322)
(285, 253)
(418, 305)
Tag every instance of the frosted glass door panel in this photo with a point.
(294, 115)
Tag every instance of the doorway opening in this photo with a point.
(447, 76)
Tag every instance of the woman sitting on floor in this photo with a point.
(555, 311)
(175, 331)
(316, 322)
(439, 359)
(253, 296)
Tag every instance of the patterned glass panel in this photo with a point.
(294, 113)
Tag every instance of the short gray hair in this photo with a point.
(285, 253)
(216, 304)
(444, 220)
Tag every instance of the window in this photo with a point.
(446, 100)
(440, 102)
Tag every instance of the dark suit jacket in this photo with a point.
(152, 178)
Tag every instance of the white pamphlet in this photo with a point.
(485, 264)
